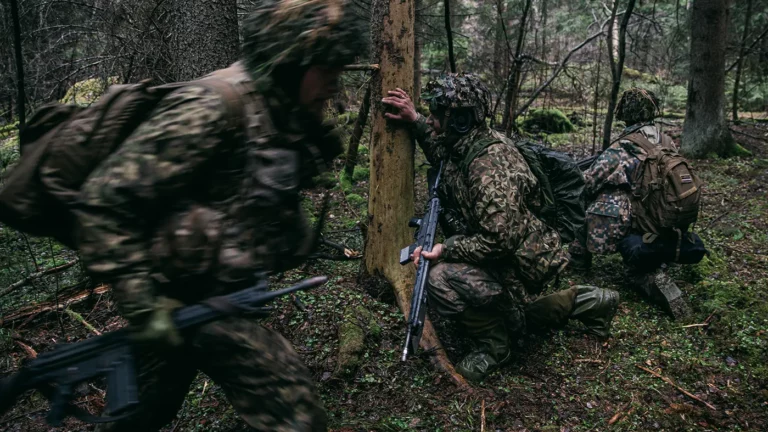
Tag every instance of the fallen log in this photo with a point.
(39, 308)
(37, 275)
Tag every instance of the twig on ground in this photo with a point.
(482, 416)
(588, 361)
(682, 390)
(28, 350)
(695, 325)
(618, 414)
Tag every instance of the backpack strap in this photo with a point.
(641, 141)
(476, 149)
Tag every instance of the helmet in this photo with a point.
(637, 106)
(453, 91)
(301, 33)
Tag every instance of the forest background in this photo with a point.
(556, 69)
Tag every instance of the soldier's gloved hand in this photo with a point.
(156, 328)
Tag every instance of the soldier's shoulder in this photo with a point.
(191, 104)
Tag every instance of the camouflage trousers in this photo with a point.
(456, 287)
(259, 371)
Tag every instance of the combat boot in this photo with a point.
(659, 288)
(595, 308)
(488, 329)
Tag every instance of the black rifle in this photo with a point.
(112, 356)
(425, 237)
(584, 164)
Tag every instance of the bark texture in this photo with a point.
(705, 130)
(391, 196)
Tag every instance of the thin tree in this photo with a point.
(513, 84)
(20, 95)
(449, 33)
(357, 133)
(391, 193)
(705, 130)
(617, 64)
(740, 61)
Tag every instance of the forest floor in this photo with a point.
(563, 381)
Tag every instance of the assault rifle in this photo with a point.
(112, 356)
(426, 226)
(584, 164)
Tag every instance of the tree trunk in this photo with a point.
(617, 66)
(391, 194)
(513, 85)
(20, 95)
(357, 133)
(739, 61)
(206, 36)
(597, 93)
(705, 130)
(449, 33)
(417, 56)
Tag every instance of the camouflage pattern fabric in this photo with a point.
(151, 222)
(608, 188)
(495, 200)
(300, 33)
(456, 287)
(459, 91)
(637, 106)
(258, 370)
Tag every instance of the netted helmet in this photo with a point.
(302, 33)
(637, 106)
(458, 91)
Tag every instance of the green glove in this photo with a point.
(157, 328)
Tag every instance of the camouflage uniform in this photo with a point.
(187, 210)
(498, 256)
(609, 189)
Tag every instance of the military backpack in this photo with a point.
(62, 144)
(666, 192)
(561, 185)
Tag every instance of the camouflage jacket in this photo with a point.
(609, 188)
(185, 209)
(494, 204)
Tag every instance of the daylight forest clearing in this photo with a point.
(555, 69)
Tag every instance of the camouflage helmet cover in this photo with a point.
(302, 33)
(637, 105)
(459, 91)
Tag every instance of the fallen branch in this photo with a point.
(482, 416)
(748, 135)
(79, 318)
(695, 325)
(31, 353)
(361, 67)
(37, 275)
(682, 390)
(53, 305)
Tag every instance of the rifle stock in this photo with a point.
(112, 356)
